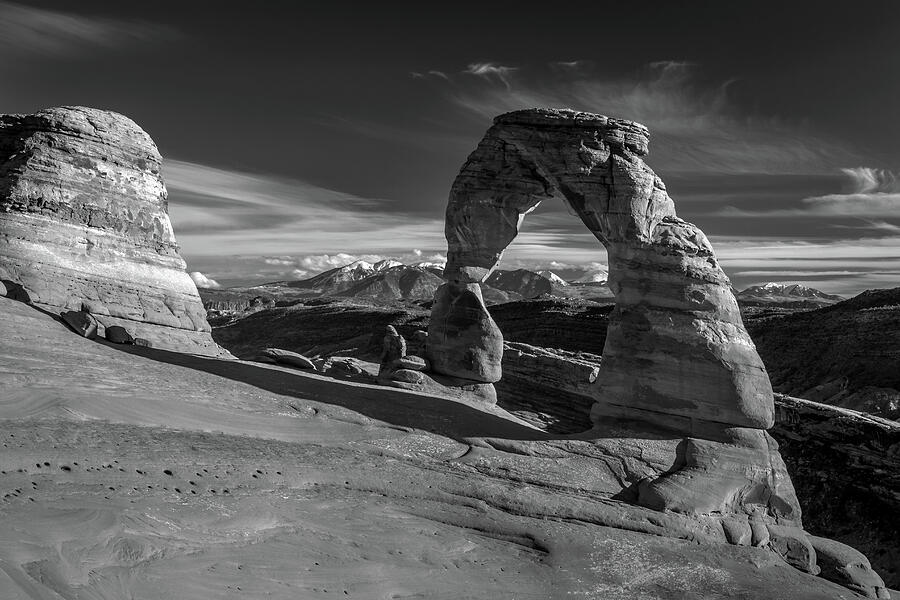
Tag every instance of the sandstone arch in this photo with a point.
(678, 364)
(677, 353)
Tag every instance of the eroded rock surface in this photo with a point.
(676, 349)
(84, 225)
(678, 365)
(162, 475)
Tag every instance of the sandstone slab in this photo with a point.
(412, 362)
(81, 323)
(286, 357)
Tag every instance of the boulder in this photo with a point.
(15, 291)
(844, 565)
(118, 335)
(144, 342)
(393, 348)
(408, 376)
(81, 323)
(345, 367)
(83, 218)
(3, 290)
(411, 362)
(286, 357)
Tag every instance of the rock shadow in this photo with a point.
(394, 406)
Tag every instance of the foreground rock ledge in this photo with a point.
(84, 225)
(680, 377)
(135, 472)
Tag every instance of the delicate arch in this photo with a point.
(677, 353)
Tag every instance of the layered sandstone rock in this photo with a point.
(677, 352)
(84, 225)
(679, 375)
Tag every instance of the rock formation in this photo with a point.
(677, 364)
(84, 224)
(677, 351)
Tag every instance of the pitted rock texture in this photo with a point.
(84, 225)
(676, 351)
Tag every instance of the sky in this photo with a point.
(298, 136)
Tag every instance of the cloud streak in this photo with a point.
(57, 34)
(216, 210)
(491, 72)
(695, 126)
(875, 193)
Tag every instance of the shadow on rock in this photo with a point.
(397, 407)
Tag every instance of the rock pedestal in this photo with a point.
(84, 224)
(463, 340)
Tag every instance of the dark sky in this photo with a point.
(297, 131)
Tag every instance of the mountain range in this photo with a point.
(388, 281)
(785, 293)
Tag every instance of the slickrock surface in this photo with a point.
(84, 225)
(135, 472)
(830, 453)
(845, 464)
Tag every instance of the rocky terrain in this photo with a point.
(145, 473)
(552, 357)
(85, 227)
(785, 295)
(845, 354)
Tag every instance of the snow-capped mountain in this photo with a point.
(599, 275)
(341, 278)
(431, 265)
(391, 280)
(785, 292)
(522, 282)
(555, 279)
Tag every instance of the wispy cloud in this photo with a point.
(432, 72)
(569, 64)
(218, 211)
(868, 180)
(491, 71)
(874, 193)
(695, 126)
(58, 34)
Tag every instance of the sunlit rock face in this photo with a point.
(677, 362)
(84, 225)
(677, 352)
